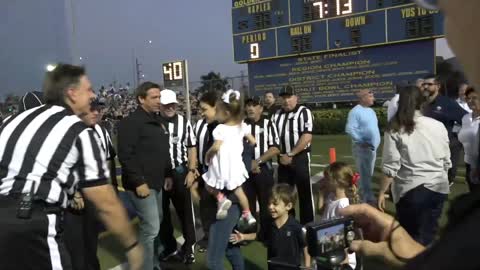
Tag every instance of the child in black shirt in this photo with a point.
(285, 243)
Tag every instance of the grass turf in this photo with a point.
(110, 254)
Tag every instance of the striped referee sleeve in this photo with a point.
(92, 167)
(111, 154)
(190, 139)
(273, 139)
(305, 121)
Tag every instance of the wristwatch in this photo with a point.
(259, 161)
(290, 154)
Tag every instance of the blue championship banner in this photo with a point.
(336, 76)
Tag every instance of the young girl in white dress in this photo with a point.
(226, 169)
(339, 190)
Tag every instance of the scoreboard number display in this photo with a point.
(174, 74)
(271, 29)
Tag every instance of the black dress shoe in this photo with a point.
(189, 259)
(202, 245)
(168, 255)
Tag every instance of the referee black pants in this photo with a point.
(35, 243)
(182, 201)
(298, 174)
(259, 186)
(81, 237)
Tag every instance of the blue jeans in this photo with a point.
(418, 212)
(218, 242)
(365, 160)
(150, 213)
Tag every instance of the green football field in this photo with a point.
(254, 253)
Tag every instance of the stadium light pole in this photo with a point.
(137, 73)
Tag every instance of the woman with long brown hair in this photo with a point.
(416, 159)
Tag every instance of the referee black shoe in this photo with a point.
(189, 259)
(169, 256)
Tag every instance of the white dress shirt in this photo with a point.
(468, 136)
(419, 158)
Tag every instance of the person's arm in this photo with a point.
(191, 144)
(306, 257)
(305, 129)
(213, 150)
(273, 143)
(248, 135)
(127, 144)
(384, 238)
(111, 160)
(251, 140)
(352, 128)
(193, 173)
(94, 186)
(384, 186)
(302, 143)
(218, 138)
(237, 237)
(390, 165)
(391, 156)
(457, 112)
(113, 215)
(447, 162)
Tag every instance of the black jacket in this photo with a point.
(143, 150)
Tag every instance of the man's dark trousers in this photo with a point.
(298, 174)
(182, 201)
(259, 186)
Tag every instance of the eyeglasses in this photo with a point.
(428, 84)
(428, 4)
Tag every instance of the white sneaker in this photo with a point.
(222, 210)
(250, 219)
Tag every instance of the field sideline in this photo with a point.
(110, 254)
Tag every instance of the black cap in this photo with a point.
(31, 100)
(97, 104)
(287, 91)
(255, 100)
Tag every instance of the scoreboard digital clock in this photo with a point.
(269, 29)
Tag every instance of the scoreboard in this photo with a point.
(271, 29)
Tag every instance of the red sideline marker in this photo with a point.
(333, 155)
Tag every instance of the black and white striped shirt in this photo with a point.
(265, 134)
(52, 147)
(106, 140)
(292, 125)
(181, 138)
(201, 134)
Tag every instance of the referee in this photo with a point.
(294, 123)
(81, 223)
(42, 150)
(183, 155)
(260, 181)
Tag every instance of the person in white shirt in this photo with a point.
(416, 158)
(339, 189)
(468, 136)
(461, 100)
